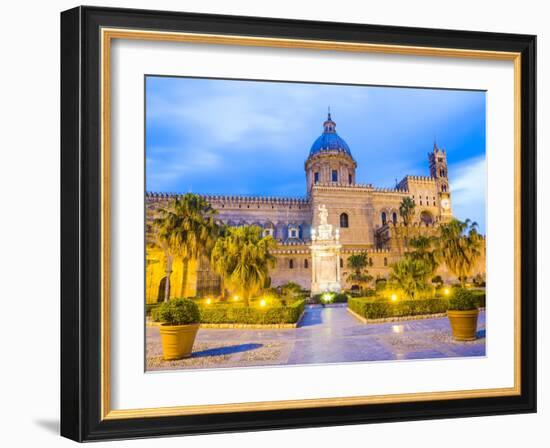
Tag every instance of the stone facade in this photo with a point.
(366, 217)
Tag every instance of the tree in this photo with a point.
(459, 246)
(358, 264)
(406, 210)
(410, 276)
(186, 229)
(242, 257)
(291, 289)
(167, 239)
(423, 250)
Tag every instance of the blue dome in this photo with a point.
(329, 140)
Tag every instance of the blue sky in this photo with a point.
(252, 138)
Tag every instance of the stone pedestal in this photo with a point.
(325, 256)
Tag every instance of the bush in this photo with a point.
(177, 312)
(339, 297)
(230, 314)
(479, 296)
(149, 307)
(437, 280)
(381, 308)
(380, 284)
(463, 300)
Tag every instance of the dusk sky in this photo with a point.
(252, 138)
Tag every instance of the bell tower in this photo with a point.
(439, 172)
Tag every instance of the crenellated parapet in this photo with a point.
(404, 184)
(235, 199)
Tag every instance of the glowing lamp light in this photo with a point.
(262, 302)
(446, 291)
(326, 297)
(235, 298)
(208, 301)
(397, 328)
(394, 297)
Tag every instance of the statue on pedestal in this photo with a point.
(325, 256)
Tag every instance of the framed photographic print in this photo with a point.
(277, 224)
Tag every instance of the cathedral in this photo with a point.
(365, 218)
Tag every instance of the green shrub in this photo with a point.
(462, 300)
(339, 297)
(380, 284)
(437, 280)
(177, 312)
(381, 308)
(149, 307)
(230, 314)
(479, 296)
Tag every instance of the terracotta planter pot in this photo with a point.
(463, 324)
(177, 340)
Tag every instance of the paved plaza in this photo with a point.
(324, 335)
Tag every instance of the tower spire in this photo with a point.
(329, 125)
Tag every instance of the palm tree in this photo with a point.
(168, 239)
(243, 259)
(187, 230)
(423, 250)
(410, 276)
(406, 210)
(358, 264)
(459, 246)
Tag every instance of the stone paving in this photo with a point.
(325, 335)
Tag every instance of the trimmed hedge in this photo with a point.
(149, 307)
(479, 297)
(380, 309)
(229, 314)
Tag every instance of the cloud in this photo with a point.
(246, 137)
(468, 185)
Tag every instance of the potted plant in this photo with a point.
(180, 322)
(462, 314)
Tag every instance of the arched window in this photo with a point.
(293, 231)
(306, 264)
(385, 261)
(370, 261)
(291, 264)
(341, 262)
(316, 177)
(394, 217)
(384, 218)
(350, 179)
(269, 230)
(426, 217)
(334, 175)
(344, 221)
(162, 290)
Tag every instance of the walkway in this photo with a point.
(325, 335)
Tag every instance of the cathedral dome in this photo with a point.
(329, 140)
